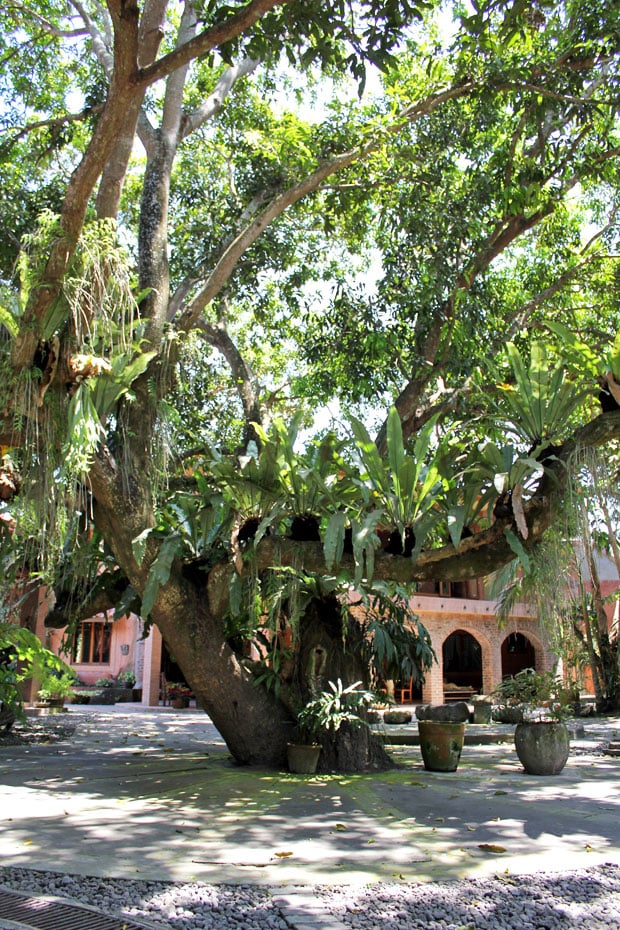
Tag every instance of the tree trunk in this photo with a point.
(327, 652)
(255, 726)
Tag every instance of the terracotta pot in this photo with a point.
(303, 758)
(542, 747)
(178, 702)
(441, 745)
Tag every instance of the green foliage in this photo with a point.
(159, 571)
(405, 486)
(397, 644)
(614, 358)
(539, 694)
(55, 686)
(128, 679)
(22, 656)
(8, 321)
(330, 709)
(541, 400)
(504, 468)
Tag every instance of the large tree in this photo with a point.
(224, 213)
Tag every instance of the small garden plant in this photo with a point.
(539, 694)
(327, 712)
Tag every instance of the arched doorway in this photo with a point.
(517, 653)
(462, 663)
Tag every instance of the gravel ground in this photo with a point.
(588, 899)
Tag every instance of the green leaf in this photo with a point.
(333, 539)
(138, 545)
(456, 522)
(517, 547)
(159, 572)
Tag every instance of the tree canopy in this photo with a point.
(298, 297)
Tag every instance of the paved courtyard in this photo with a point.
(153, 793)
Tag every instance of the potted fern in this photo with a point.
(322, 717)
(542, 740)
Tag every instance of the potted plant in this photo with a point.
(542, 740)
(55, 689)
(322, 717)
(127, 680)
(179, 695)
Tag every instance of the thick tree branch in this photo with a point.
(190, 282)
(150, 35)
(208, 40)
(214, 102)
(102, 50)
(83, 179)
(476, 556)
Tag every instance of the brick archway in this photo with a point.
(519, 650)
(463, 662)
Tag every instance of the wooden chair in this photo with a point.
(403, 693)
(164, 693)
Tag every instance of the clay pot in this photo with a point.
(542, 747)
(441, 745)
(303, 758)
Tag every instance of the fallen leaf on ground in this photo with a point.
(491, 847)
(505, 878)
(283, 855)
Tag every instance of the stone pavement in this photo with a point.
(153, 794)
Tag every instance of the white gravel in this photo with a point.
(588, 899)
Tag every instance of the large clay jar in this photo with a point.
(542, 747)
(441, 745)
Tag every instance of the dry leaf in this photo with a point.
(517, 509)
(283, 855)
(491, 847)
(340, 827)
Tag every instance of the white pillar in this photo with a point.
(152, 668)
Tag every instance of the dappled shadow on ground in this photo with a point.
(156, 798)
